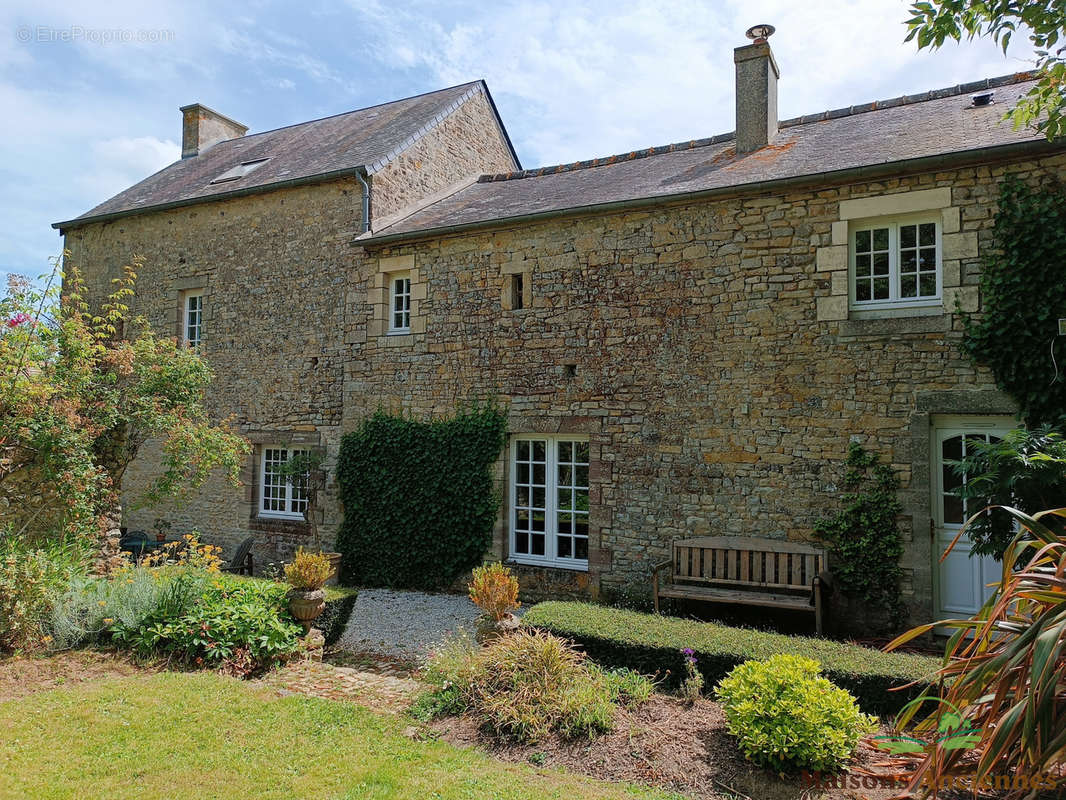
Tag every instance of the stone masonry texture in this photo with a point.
(685, 341)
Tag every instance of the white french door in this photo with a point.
(963, 580)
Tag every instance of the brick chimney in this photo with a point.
(201, 127)
(757, 76)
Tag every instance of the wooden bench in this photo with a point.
(745, 571)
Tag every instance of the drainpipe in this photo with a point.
(366, 201)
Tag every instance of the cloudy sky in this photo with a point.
(92, 96)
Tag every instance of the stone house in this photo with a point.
(685, 338)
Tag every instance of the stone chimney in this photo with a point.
(757, 76)
(201, 127)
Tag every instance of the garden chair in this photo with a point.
(241, 563)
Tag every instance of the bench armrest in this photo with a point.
(657, 568)
(825, 578)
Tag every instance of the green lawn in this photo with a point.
(201, 735)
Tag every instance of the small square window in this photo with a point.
(895, 263)
(281, 493)
(400, 303)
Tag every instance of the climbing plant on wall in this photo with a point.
(419, 499)
(864, 537)
(1023, 295)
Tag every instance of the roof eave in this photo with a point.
(322, 177)
(923, 164)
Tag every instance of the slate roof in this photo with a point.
(906, 128)
(366, 139)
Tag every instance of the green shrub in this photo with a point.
(653, 644)
(786, 716)
(526, 685)
(237, 626)
(340, 601)
(30, 579)
(419, 498)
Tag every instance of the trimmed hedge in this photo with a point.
(652, 644)
(339, 604)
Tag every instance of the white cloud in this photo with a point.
(590, 78)
(120, 162)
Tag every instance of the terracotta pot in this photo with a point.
(306, 606)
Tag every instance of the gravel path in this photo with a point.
(405, 624)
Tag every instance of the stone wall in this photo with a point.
(691, 344)
(271, 268)
(465, 144)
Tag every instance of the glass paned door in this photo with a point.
(965, 581)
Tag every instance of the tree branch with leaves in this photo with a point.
(1044, 22)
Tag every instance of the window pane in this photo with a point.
(908, 286)
(953, 513)
(564, 498)
(538, 544)
(521, 473)
(862, 265)
(880, 288)
(538, 474)
(538, 497)
(581, 525)
(563, 545)
(881, 239)
(908, 261)
(581, 452)
(566, 475)
(862, 241)
(952, 480)
(521, 496)
(521, 519)
(862, 290)
(538, 451)
(928, 285)
(536, 521)
(927, 234)
(565, 449)
(582, 475)
(951, 449)
(880, 263)
(565, 521)
(521, 542)
(581, 549)
(908, 235)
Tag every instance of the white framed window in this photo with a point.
(549, 521)
(281, 495)
(192, 318)
(895, 263)
(400, 302)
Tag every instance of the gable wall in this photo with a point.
(467, 143)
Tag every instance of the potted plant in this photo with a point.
(307, 466)
(307, 574)
(494, 590)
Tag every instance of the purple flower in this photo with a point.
(688, 651)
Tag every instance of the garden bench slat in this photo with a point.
(745, 571)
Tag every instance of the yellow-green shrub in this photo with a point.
(494, 590)
(786, 716)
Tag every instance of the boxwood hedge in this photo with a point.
(653, 644)
(340, 600)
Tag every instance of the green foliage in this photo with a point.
(81, 390)
(787, 717)
(1023, 295)
(526, 685)
(238, 626)
(1025, 469)
(865, 540)
(652, 644)
(30, 577)
(334, 617)
(934, 22)
(692, 685)
(419, 502)
(1001, 710)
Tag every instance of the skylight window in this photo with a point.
(240, 170)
